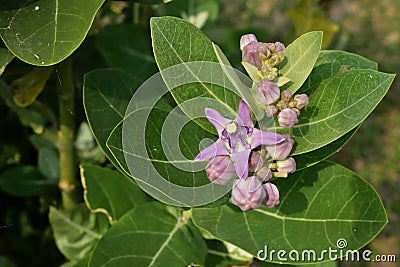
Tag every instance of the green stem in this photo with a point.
(66, 93)
(136, 13)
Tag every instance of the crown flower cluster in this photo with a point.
(262, 61)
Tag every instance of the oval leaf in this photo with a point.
(170, 240)
(319, 206)
(300, 57)
(45, 32)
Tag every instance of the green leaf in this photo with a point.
(300, 57)
(150, 2)
(48, 163)
(176, 41)
(333, 62)
(25, 181)
(311, 158)
(337, 105)
(170, 239)
(130, 48)
(106, 94)
(318, 206)
(5, 57)
(110, 192)
(77, 231)
(27, 88)
(4, 262)
(45, 32)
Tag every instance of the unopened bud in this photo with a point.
(272, 195)
(250, 54)
(301, 100)
(279, 47)
(281, 150)
(264, 173)
(286, 96)
(248, 194)
(263, 51)
(271, 111)
(287, 118)
(220, 169)
(268, 92)
(246, 39)
(288, 165)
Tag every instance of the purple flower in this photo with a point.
(220, 169)
(301, 100)
(287, 118)
(237, 138)
(282, 150)
(272, 195)
(250, 54)
(246, 39)
(264, 173)
(286, 166)
(271, 111)
(248, 194)
(279, 46)
(268, 92)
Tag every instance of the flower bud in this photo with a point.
(286, 96)
(279, 47)
(271, 111)
(250, 54)
(281, 150)
(264, 173)
(248, 194)
(287, 118)
(220, 169)
(263, 51)
(288, 165)
(268, 92)
(272, 195)
(301, 100)
(255, 161)
(246, 39)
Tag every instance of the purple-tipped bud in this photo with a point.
(301, 100)
(288, 165)
(271, 111)
(279, 46)
(250, 54)
(264, 173)
(286, 96)
(248, 194)
(220, 169)
(268, 92)
(255, 161)
(263, 51)
(246, 39)
(272, 195)
(287, 118)
(282, 150)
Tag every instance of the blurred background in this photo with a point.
(366, 27)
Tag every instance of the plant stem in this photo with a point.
(136, 13)
(66, 97)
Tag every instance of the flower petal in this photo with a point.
(216, 149)
(244, 116)
(241, 161)
(265, 138)
(217, 119)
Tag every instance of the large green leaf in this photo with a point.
(130, 48)
(5, 57)
(319, 206)
(176, 41)
(77, 231)
(300, 57)
(109, 192)
(337, 105)
(45, 32)
(151, 235)
(106, 94)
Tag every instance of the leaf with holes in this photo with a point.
(169, 236)
(319, 206)
(45, 32)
